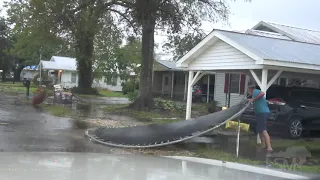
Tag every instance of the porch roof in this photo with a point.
(60, 63)
(264, 50)
(171, 65)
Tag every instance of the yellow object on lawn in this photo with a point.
(234, 125)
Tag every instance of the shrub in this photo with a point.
(167, 105)
(129, 86)
(212, 107)
(132, 96)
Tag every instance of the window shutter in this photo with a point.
(226, 83)
(242, 83)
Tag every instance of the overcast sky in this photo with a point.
(244, 15)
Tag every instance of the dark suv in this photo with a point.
(294, 110)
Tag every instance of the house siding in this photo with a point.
(221, 54)
(102, 84)
(66, 82)
(219, 94)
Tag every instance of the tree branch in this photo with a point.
(124, 16)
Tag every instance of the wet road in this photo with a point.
(25, 128)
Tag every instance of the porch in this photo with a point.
(259, 60)
(171, 82)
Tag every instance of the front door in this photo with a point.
(166, 83)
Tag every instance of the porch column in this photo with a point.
(189, 95)
(264, 80)
(162, 86)
(172, 83)
(185, 86)
(208, 88)
(191, 81)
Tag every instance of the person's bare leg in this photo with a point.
(267, 140)
(263, 140)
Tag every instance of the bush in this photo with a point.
(167, 105)
(212, 107)
(45, 81)
(129, 86)
(132, 96)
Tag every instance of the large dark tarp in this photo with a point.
(157, 133)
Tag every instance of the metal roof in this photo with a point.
(277, 49)
(267, 34)
(60, 63)
(170, 65)
(295, 33)
(65, 63)
(49, 65)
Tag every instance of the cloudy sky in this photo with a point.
(245, 15)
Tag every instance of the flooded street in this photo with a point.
(25, 128)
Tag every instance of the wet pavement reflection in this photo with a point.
(25, 128)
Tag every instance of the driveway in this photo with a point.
(25, 128)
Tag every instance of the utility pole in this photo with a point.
(40, 82)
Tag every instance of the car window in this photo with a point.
(306, 95)
(277, 92)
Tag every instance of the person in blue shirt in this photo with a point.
(262, 113)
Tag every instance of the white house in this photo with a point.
(265, 55)
(226, 53)
(63, 70)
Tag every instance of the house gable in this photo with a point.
(221, 55)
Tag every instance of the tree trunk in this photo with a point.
(84, 55)
(145, 99)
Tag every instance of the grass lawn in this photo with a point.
(60, 111)
(10, 88)
(108, 93)
(105, 93)
(151, 116)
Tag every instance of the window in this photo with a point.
(73, 77)
(306, 95)
(166, 80)
(237, 83)
(179, 79)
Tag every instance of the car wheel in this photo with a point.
(203, 99)
(295, 128)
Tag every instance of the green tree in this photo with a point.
(76, 22)
(31, 33)
(179, 45)
(171, 15)
(120, 62)
(5, 59)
